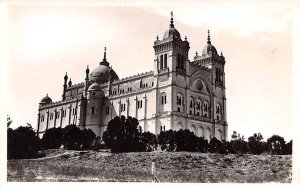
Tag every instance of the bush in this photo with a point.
(201, 144)
(149, 141)
(122, 135)
(225, 147)
(87, 138)
(22, 143)
(72, 137)
(276, 145)
(215, 145)
(98, 144)
(289, 148)
(185, 140)
(255, 144)
(52, 139)
(166, 140)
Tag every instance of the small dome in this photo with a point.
(46, 100)
(209, 48)
(172, 32)
(95, 87)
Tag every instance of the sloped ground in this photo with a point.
(64, 165)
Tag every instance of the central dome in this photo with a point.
(103, 73)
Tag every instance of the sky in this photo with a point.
(44, 41)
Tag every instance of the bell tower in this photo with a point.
(171, 52)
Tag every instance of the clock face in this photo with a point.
(199, 85)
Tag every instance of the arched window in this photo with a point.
(205, 109)
(165, 61)
(198, 107)
(207, 133)
(161, 61)
(200, 131)
(218, 112)
(192, 106)
(219, 134)
(179, 103)
(178, 61)
(163, 98)
(193, 129)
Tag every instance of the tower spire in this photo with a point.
(171, 22)
(104, 59)
(208, 37)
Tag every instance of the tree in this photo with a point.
(52, 139)
(87, 138)
(22, 143)
(122, 135)
(185, 140)
(214, 145)
(201, 144)
(149, 140)
(72, 137)
(225, 147)
(276, 145)
(289, 148)
(255, 144)
(166, 140)
(237, 144)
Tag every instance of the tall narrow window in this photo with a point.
(93, 110)
(179, 103)
(161, 61)
(107, 110)
(178, 61)
(182, 62)
(165, 61)
(163, 98)
(205, 109)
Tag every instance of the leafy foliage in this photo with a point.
(22, 143)
(289, 148)
(276, 145)
(185, 140)
(255, 144)
(149, 141)
(201, 144)
(215, 145)
(72, 137)
(122, 135)
(166, 140)
(87, 138)
(52, 138)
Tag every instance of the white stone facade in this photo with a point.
(177, 94)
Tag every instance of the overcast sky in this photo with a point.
(47, 41)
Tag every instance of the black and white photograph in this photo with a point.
(150, 92)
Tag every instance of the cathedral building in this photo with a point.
(177, 94)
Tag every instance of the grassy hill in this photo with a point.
(66, 165)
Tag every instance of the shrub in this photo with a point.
(87, 138)
(276, 145)
(214, 145)
(22, 143)
(255, 144)
(52, 139)
(289, 148)
(225, 147)
(122, 135)
(72, 137)
(149, 141)
(237, 144)
(185, 140)
(98, 144)
(166, 140)
(201, 144)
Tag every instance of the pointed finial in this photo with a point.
(185, 38)
(70, 82)
(221, 53)
(104, 59)
(66, 77)
(47, 95)
(208, 37)
(171, 22)
(87, 70)
(157, 37)
(196, 53)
